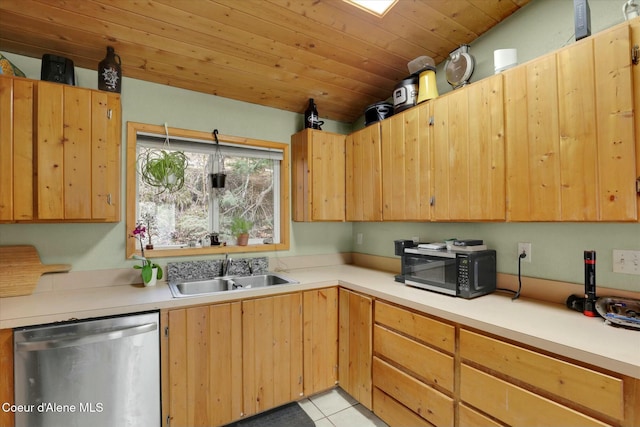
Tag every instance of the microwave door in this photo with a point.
(436, 274)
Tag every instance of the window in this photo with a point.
(256, 188)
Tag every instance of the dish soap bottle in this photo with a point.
(110, 72)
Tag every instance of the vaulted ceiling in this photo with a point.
(276, 53)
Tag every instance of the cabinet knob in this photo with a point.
(109, 199)
(109, 113)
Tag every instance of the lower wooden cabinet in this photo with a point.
(520, 386)
(424, 401)
(6, 373)
(226, 361)
(271, 351)
(204, 355)
(414, 365)
(394, 413)
(355, 345)
(320, 317)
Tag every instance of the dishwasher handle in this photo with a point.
(90, 338)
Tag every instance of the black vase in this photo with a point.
(110, 72)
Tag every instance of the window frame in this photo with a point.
(132, 246)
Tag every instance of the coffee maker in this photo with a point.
(400, 246)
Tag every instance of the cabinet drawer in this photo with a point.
(433, 366)
(420, 327)
(393, 413)
(432, 405)
(470, 418)
(597, 391)
(514, 405)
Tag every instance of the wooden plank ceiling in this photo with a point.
(276, 53)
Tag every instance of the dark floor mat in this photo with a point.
(289, 415)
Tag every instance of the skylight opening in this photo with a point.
(376, 7)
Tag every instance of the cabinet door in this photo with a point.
(272, 350)
(468, 153)
(635, 41)
(318, 160)
(105, 158)
(364, 175)
(533, 164)
(355, 349)
(16, 149)
(616, 142)
(571, 149)
(205, 365)
(405, 165)
(78, 153)
(320, 314)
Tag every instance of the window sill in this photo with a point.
(212, 250)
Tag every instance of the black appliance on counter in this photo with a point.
(460, 273)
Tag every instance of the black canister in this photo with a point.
(110, 72)
(376, 112)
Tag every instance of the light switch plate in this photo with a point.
(627, 262)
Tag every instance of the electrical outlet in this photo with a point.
(415, 239)
(359, 238)
(627, 262)
(526, 248)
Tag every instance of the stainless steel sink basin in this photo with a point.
(225, 284)
(197, 287)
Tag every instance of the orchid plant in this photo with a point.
(147, 266)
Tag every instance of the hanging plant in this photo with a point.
(163, 169)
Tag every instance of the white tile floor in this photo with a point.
(335, 408)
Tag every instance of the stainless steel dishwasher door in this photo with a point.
(96, 373)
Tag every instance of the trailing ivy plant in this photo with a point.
(163, 169)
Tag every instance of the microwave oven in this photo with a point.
(461, 274)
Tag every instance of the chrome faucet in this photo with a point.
(226, 265)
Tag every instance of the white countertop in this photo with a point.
(550, 327)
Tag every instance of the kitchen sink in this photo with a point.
(228, 283)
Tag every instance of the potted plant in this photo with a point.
(150, 271)
(163, 169)
(240, 228)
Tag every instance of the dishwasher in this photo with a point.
(102, 372)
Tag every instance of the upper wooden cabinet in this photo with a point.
(16, 149)
(570, 133)
(318, 175)
(405, 165)
(60, 154)
(364, 175)
(468, 166)
(77, 153)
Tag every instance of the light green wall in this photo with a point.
(100, 246)
(539, 27)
